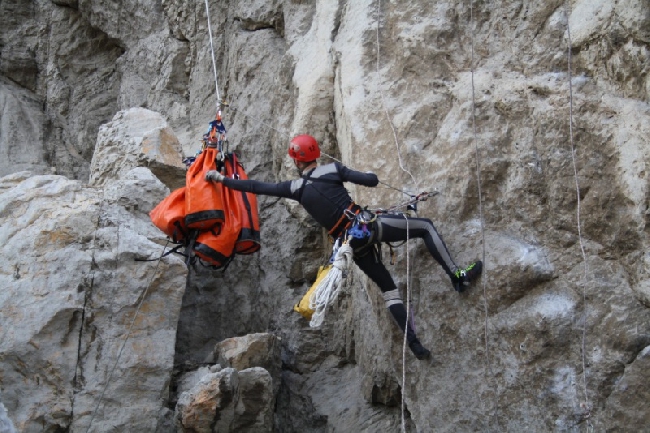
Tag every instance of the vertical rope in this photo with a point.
(480, 206)
(406, 325)
(587, 404)
(383, 103)
(214, 63)
(126, 337)
(417, 187)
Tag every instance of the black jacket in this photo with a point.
(320, 191)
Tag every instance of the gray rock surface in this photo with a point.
(252, 350)
(72, 342)
(6, 425)
(137, 138)
(541, 173)
(228, 400)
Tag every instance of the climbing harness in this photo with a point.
(344, 221)
(361, 225)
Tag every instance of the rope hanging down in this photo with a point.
(410, 205)
(480, 205)
(587, 404)
(143, 296)
(214, 63)
(406, 325)
(383, 103)
(328, 289)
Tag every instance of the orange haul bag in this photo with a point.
(246, 206)
(169, 215)
(216, 245)
(204, 207)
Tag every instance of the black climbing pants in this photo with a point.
(378, 273)
(396, 228)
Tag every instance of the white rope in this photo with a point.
(587, 404)
(383, 103)
(329, 288)
(284, 133)
(143, 295)
(214, 63)
(406, 326)
(480, 206)
(416, 184)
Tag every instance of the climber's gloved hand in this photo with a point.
(214, 176)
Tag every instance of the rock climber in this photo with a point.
(321, 192)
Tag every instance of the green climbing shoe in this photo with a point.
(464, 277)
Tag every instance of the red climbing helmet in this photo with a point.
(304, 148)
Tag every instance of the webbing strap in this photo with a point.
(339, 227)
(173, 250)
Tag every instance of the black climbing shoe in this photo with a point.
(418, 350)
(463, 277)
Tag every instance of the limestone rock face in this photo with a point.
(228, 400)
(137, 138)
(47, 229)
(240, 397)
(6, 425)
(210, 401)
(531, 119)
(252, 350)
(82, 321)
(22, 128)
(624, 409)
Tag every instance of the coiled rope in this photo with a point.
(328, 289)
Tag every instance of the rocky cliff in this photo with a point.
(531, 120)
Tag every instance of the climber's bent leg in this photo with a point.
(378, 273)
(395, 228)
